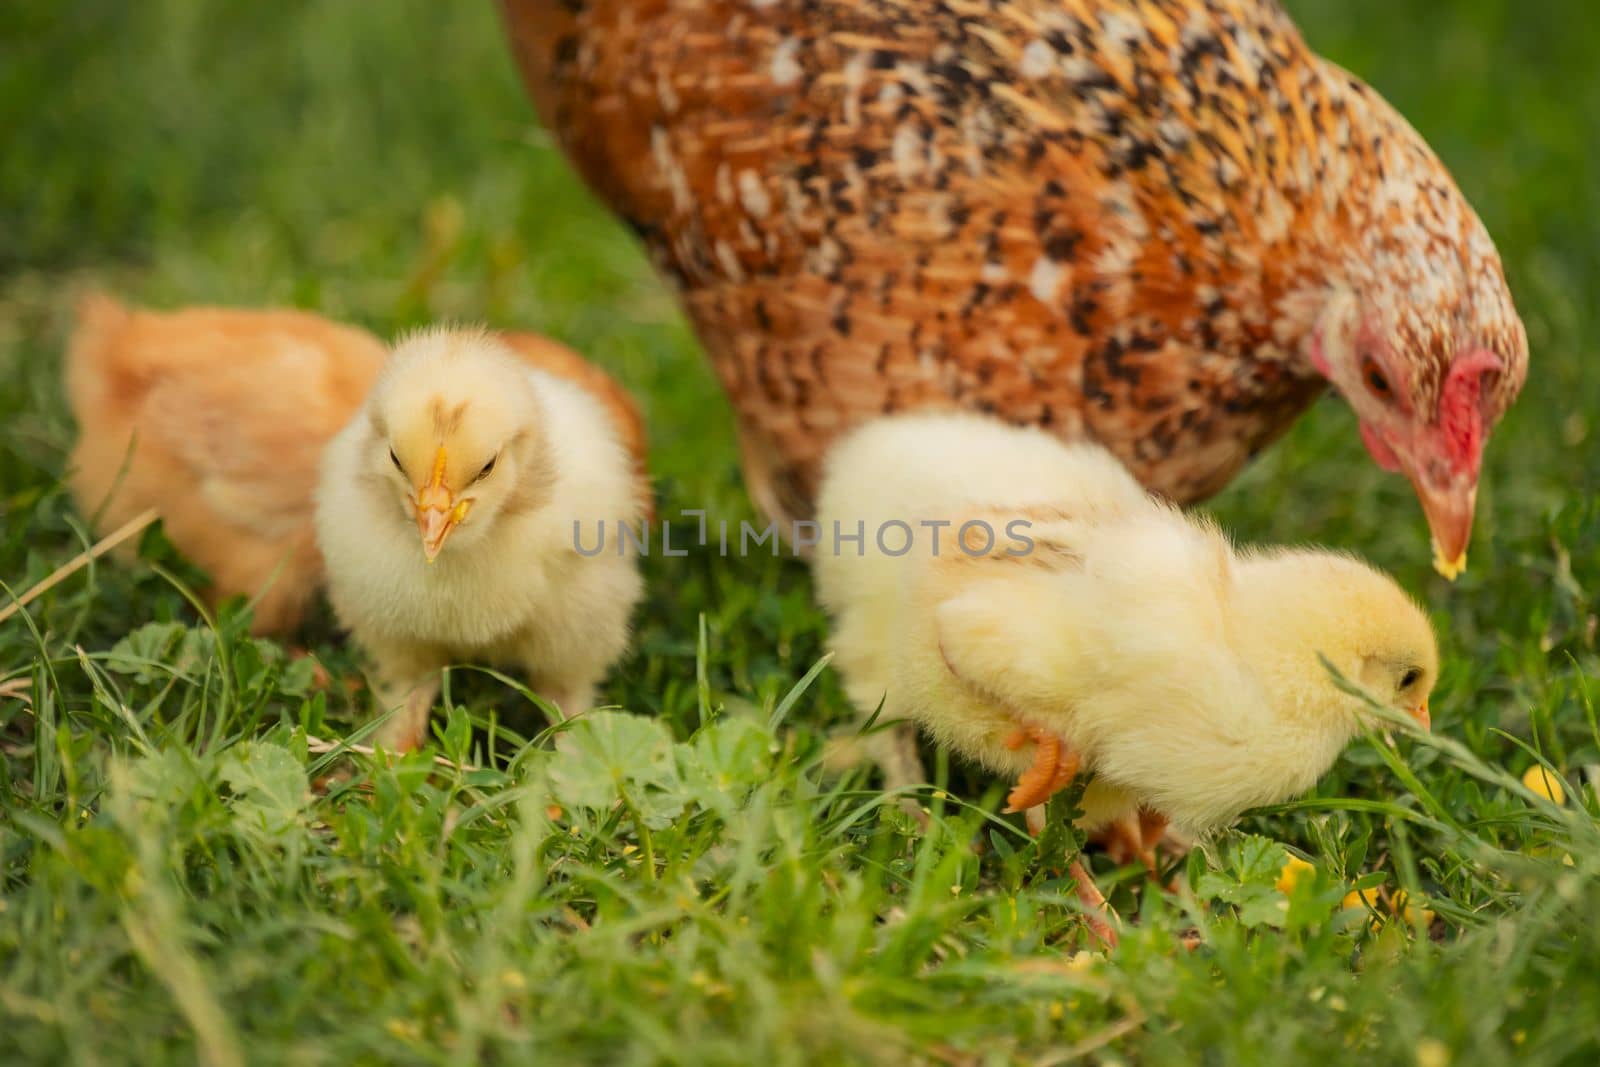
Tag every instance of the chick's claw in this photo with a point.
(1054, 766)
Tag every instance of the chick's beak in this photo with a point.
(1420, 713)
(438, 511)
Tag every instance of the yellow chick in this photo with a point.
(216, 418)
(451, 512)
(1080, 624)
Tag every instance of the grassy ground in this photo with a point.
(173, 886)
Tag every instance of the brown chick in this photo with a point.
(1166, 225)
(216, 418)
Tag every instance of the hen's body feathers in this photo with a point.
(1125, 220)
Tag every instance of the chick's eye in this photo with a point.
(1376, 380)
(396, 461)
(487, 467)
(1410, 678)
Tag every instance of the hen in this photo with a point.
(216, 418)
(1165, 225)
(455, 512)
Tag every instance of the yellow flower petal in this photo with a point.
(1362, 899)
(1294, 869)
(404, 1029)
(1414, 915)
(1540, 781)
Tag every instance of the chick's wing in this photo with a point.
(1127, 614)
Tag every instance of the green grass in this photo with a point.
(183, 876)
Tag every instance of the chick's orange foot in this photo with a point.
(1133, 837)
(320, 678)
(1054, 766)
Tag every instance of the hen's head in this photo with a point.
(1421, 337)
(457, 434)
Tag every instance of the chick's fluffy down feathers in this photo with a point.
(511, 586)
(559, 361)
(1178, 671)
(216, 418)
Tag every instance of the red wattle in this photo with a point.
(1381, 453)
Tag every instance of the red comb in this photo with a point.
(1460, 414)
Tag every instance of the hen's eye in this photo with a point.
(1410, 678)
(1376, 380)
(487, 467)
(396, 461)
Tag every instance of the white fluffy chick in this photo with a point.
(1124, 638)
(447, 510)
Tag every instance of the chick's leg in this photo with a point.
(1152, 829)
(405, 683)
(1054, 766)
(411, 725)
(570, 697)
(566, 677)
(1134, 836)
(890, 743)
(894, 750)
(407, 728)
(1096, 911)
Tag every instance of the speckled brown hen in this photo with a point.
(1163, 224)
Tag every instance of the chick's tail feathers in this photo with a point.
(96, 376)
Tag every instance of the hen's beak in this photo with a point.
(1449, 510)
(1448, 499)
(1420, 713)
(438, 511)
